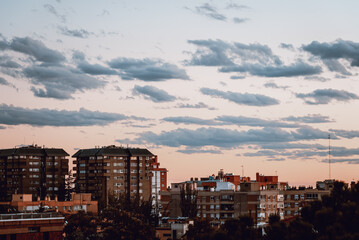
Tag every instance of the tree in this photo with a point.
(188, 202)
(81, 226)
(127, 220)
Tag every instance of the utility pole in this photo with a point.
(330, 174)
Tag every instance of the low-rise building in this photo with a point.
(25, 203)
(26, 226)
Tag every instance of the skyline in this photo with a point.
(204, 85)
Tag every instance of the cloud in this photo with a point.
(147, 69)
(343, 160)
(287, 46)
(60, 82)
(310, 118)
(296, 69)
(254, 122)
(226, 138)
(95, 69)
(210, 11)
(6, 83)
(79, 33)
(325, 96)
(53, 11)
(196, 106)
(241, 98)
(152, 93)
(316, 78)
(6, 62)
(198, 151)
(191, 120)
(239, 20)
(273, 85)
(236, 6)
(345, 133)
(11, 115)
(255, 59)
(339, 49)
(335, 66)
(34, 48)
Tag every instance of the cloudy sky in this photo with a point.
(202, 84)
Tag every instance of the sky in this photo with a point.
(244, 86)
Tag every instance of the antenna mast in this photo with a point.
(330, 174)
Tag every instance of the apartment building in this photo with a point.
(25, 203)
(46, 226)
(158, 183)
(32, 170)
(114, 170)
(226, 196)
(297, 198)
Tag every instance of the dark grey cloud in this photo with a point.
(254, 122)
(6, 83)
(2, 127)
(197, 106)
(79, 33)
(316, 78)
(343, 160)
(287, 46)
(7, 62)
(335, 66)
(255, 59)
(11, 115)
(191, 120)
(325, 96)
(226, 138)
(95, 69)
(273, 85)
(59, 82)
(51, 9)
(310, 118)
(339, 49)
(198, 151)
(309, 133)
(345, 133)
(296, 69)
(241, 98)
(239, 20)
(147, 69)
(152, 93)
(210, 11)
(238, 77)
(33, 48)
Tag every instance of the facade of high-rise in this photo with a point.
(114, 170)
(32, 170)
(158, 183)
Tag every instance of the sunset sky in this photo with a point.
(204, 85)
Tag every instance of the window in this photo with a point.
(82, 171)
(118, 170)
(133, 164)
(117, 164)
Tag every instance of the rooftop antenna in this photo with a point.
(330, 174)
